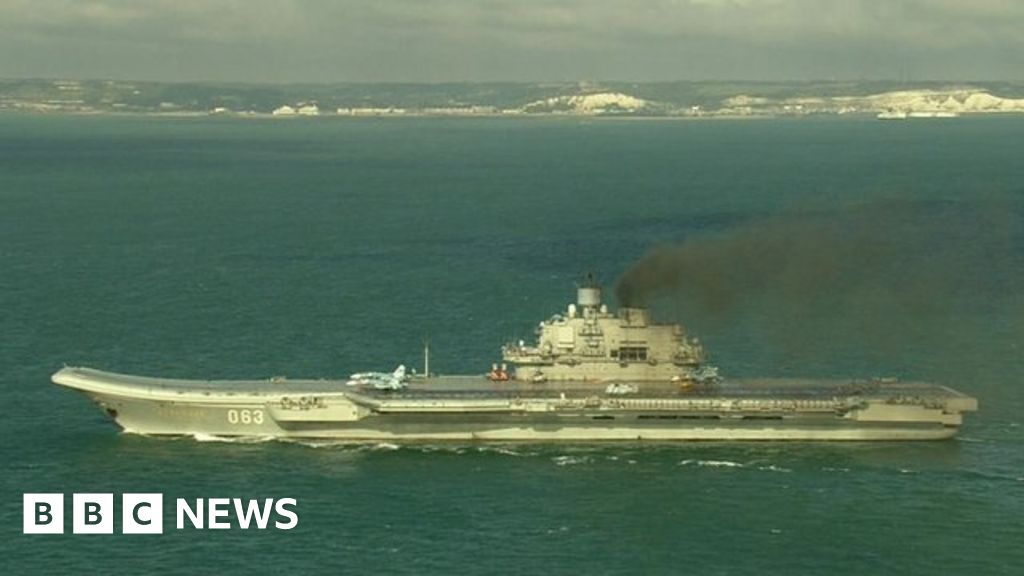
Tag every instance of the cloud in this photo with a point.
(322, 40)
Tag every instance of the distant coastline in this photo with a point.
(682, 100)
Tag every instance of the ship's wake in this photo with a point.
(201, 437)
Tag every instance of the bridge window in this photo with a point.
(631, 353)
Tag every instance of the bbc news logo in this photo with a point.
(144, 513)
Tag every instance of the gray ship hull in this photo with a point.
(476, 409)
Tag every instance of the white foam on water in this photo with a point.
(970, 439)
(731, 464)
(384, 446)
(432, 448)
(201, 437)
(340, 444)
(712, 463)
(774, 468)
(571, 460)
(504, 451)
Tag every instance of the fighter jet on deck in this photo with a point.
(380, 380)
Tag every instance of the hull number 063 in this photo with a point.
(245, 416)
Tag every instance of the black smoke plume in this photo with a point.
(880, 275)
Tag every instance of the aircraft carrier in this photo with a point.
(592, 375)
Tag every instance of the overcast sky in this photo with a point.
(481, 40)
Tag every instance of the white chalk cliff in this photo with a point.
(597, 103)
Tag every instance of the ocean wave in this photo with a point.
(345, 445)
(384, 446)
(504, 451)
(712, 463)
(732, 464)
(436, 448)
(774, 468)
(567, 460)
(996, 476)
(971, 440)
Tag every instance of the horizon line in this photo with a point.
(513, 82)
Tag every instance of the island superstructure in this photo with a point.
(590, 343)
(592, 375)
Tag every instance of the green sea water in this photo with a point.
(224, 248)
